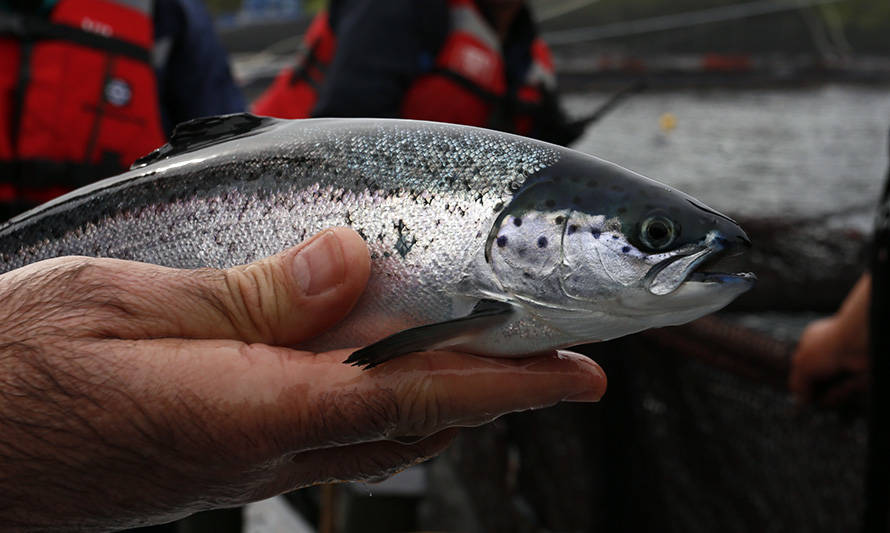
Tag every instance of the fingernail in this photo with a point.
(320, 266)
(593, 394)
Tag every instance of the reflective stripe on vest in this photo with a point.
(472, 50)
(541, 72)
(486, 53)
(78, 95)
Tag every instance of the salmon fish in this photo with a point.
(480, 241)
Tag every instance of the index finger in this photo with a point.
(290, 401)
(426, 392)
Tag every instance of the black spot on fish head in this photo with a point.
(517, 222)
(595, 232)
(542, 242)
(625, 249)
(572, 229)
(502, 241)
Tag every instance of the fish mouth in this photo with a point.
(720, 277)
(689, 267)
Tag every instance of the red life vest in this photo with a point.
(466, 86)
(469, 82)
(78, 96)
(295, 90)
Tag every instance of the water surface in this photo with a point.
(753, 152)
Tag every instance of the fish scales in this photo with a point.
(441, 208)
(419, 197)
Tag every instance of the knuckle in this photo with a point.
(380, 412)
(421, 407)
(252, 301)
(349, 416)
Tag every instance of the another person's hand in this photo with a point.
(831, 359)
(134, 394)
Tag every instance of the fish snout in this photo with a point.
(731, 240)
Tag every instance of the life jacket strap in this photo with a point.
(30, 28)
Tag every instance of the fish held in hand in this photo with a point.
(480, 241)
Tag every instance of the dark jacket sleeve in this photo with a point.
(553, 125)
(382, 46)
(194, 79)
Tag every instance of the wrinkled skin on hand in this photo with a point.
(133, 394)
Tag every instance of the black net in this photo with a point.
(733, 455)
(703, 441)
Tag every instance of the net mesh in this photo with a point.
(677, 444)
(739, 456)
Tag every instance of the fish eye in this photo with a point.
(658, 232)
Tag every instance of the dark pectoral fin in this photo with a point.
(486, 314)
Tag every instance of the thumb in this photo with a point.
(299, 293)
(283, 299)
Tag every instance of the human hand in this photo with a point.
(133, 394)
(831, 358)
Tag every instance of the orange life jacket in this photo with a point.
(466, 86)
(78, 96)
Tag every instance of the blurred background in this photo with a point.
(775, 112)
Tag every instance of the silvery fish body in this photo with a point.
(494, 243)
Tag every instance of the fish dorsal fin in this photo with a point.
(207, 131)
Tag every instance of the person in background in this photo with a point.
(855, 342)
(470, 62)
(834, 349)
(89, 86)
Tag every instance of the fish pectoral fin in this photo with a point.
(485, 314)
